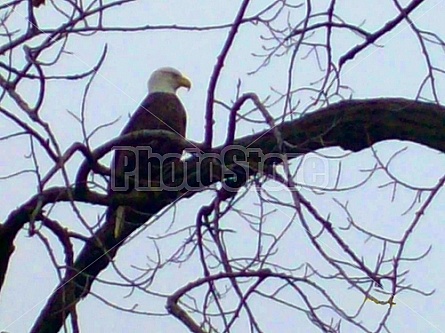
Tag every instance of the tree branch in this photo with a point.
(353, 125)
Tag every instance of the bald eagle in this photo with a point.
(161, 109)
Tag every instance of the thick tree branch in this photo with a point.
(353, 125)
(357, 124)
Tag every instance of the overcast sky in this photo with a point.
(395, 69)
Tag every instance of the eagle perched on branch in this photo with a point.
(132, 166)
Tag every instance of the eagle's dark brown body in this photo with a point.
(162, 111)
(157, 111)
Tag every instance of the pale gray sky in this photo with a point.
(396, 69)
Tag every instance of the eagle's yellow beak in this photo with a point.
(184, 82)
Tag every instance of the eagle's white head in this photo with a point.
(167, 80)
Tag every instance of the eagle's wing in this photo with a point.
(134, 166)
